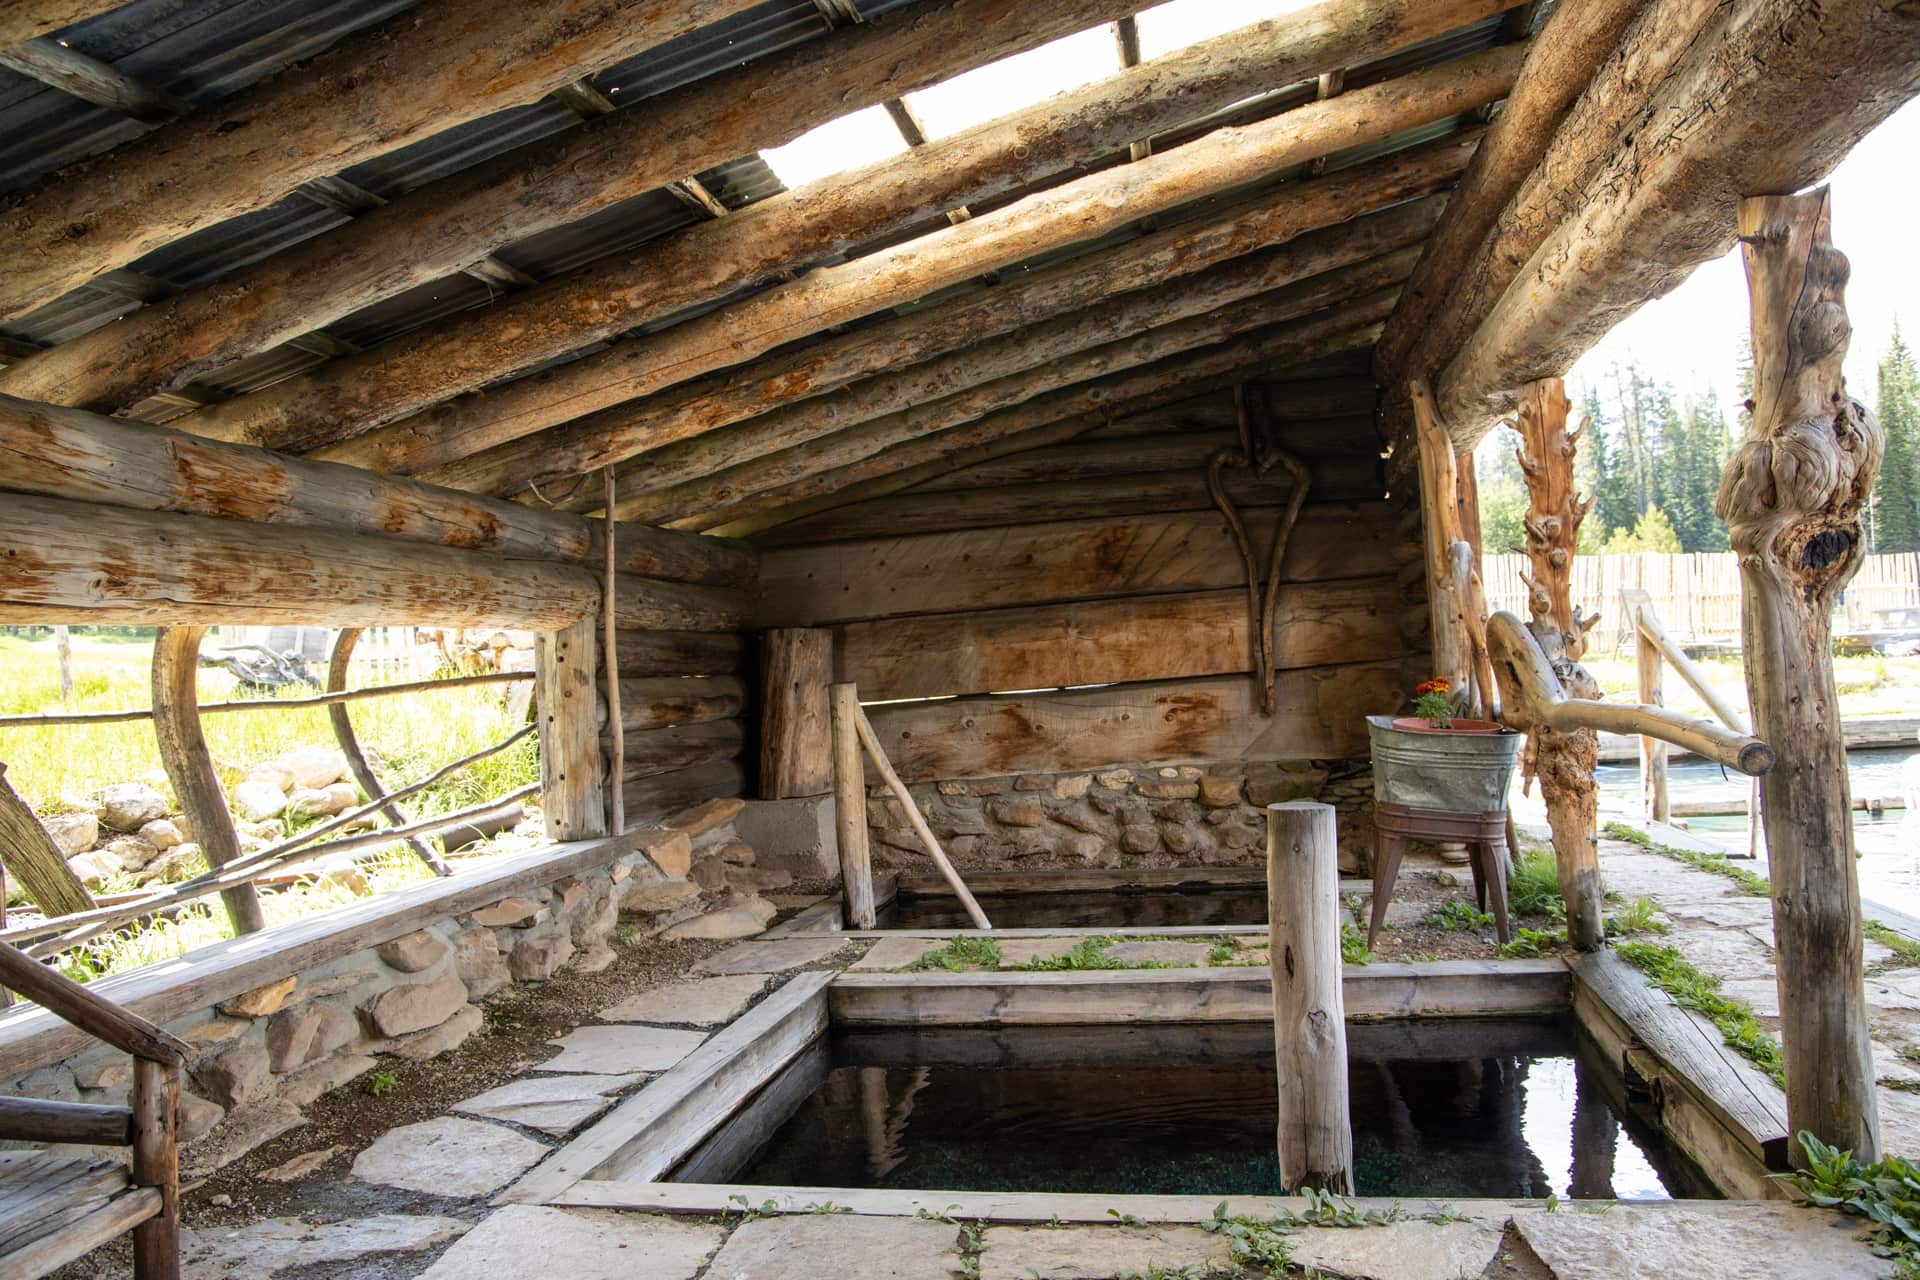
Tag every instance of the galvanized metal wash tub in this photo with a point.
(1457, 772)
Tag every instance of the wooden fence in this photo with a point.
(383, 654)
(1696, 597)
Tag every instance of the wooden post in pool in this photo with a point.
(1309, 1010)
(850, 807)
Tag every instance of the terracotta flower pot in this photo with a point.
(1418, 724)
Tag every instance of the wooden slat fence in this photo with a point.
(1696, 596)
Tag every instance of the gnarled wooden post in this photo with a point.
(1563, 760)
(1791, 497)
(189, 765)
(1315, 1138)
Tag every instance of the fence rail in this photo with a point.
(1696, 596)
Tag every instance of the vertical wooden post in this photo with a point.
(917, 820)
(1563, 760)
(189, 765)
(26, 847)
(850, 807)
(1309, 1006)
(796, 741)
(1439, 520)
(610, 655)
(63, 651)
(1650, 664)
(1791, 497)
(156, 1163)
(566, 664)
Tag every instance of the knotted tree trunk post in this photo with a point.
(1791, 497)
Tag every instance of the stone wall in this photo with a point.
(264, 1053)
(1186, 815)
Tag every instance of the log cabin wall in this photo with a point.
(1103, 562)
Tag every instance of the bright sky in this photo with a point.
(1691, 336)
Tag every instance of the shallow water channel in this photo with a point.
(1460, 1108)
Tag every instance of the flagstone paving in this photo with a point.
(579, 1244)
(552, 1104)
(448, 1156)
(617, 1050)
(701, 1002)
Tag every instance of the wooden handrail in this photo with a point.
(88, 1010)
(38, 1120)
(1649, 626)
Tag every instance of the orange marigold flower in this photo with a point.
(1439, 684)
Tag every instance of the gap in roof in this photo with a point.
(850, 142)
(1168, 27)
(1015, 83)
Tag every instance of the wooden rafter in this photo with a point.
(91, 80)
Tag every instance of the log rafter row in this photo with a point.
(421, 72)
(710, 261)
(1132, 332)
(781, 481)
(721, 399)
(1755, 106)
(449, 225)
(29, 19)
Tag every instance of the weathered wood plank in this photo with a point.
(1088, 458)
(654, 752)
(90, 80)
(643, 604)
(659, 702)
(1321, 715)
(1044, 563)
(796, 739)
(572, 769)
(650, 799)
(681, 653)
(1115, 641)
(429, 69)
(72, 561)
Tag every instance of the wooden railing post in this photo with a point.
(850, 807)
(1792, 497)
(566, 670)
(1649, 665)
(1315, 1139)
(189, 765)
(156, 1164)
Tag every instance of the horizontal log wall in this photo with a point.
(687, 708)
(1102, 561)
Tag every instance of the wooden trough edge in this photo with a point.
(1717, 1107)
(1442, 989)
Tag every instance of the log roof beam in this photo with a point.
(706, 261)
(733, 395)
(91, 80)
(1754, 106)
(438, 64)
(27, 20)
(449, 224)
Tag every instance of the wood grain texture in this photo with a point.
(32, 858)
(71, 561)
(646, 652)
(1309, 1009)
(1114, 641)
(1321, 715)
(572, 769)
(796, 739)
(1065, 559)
(660, 702)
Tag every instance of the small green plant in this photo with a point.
(1088, 953)
(1221, 953)
(828, 1206)
(1886, 1193)
(1252, 1242)
(1751, 882)
(1641, 916)
(1459, 916)
(1353, 945)
(739, 1206)
(627, 934)
(382, 1083)
(1668, 970)
(962, 954)
(1529, 943)
(1899, 943)
(1533, 888)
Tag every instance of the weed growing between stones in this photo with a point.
(1088, 953)
(1533, 887)
(1641, 916)
(382, 1083)
(960, 955)
(1529, 944)
(1353, 945)
(1887, 1193)
(1458, 915)
(1750, 882)
(1668, 970)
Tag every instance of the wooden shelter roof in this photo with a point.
(501, 248)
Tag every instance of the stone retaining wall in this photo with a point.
(263, 1054)
(1141, 816)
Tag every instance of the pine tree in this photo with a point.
(1896, 500)
(1599, 475)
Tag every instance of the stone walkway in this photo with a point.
(1723, 930)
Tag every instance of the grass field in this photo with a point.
(56, 767)
(1868, 686)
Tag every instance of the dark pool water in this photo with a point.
(1105, 908)
(1459, 1109)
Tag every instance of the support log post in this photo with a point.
(1309, 1007)
(1791, 497)
(850, 807)
(1563, 760)
(156, 1164)
(30, 853)
(341, 716)
(796, 742)
(1450, 610)
(189, 765)
(571, 770)
(1650, 666)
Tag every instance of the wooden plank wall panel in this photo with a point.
(1067, 560)
(1320, 716)
(1110, 641)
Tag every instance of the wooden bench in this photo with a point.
(55, 1207)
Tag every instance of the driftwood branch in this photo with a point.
(357, 762)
